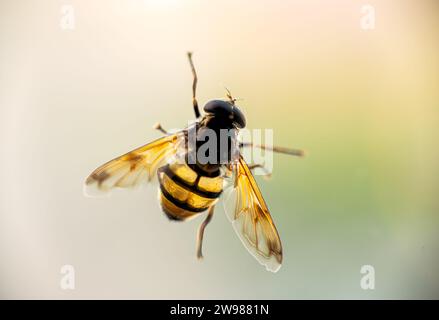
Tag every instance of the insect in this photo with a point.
(189, 186)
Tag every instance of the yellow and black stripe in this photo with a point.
(186, 191)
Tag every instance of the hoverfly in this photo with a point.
(189, 187)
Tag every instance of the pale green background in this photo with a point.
(364, 104)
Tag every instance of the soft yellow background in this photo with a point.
(364, 104)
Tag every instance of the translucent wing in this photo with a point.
(134, 167)
(251, 219)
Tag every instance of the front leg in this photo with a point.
(194, 86)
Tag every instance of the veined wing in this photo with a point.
(251, 219)
(135, 167)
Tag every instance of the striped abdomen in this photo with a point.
(185, 192)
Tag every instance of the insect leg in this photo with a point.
(289, 151)
(201, 232)
(267, 174)
(159, 127)
(194, 86)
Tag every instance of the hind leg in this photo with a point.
(201, 232)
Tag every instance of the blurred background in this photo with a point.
(362, 102)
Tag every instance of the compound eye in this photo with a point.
(238, 118)
(225, 110)
(219, 107)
